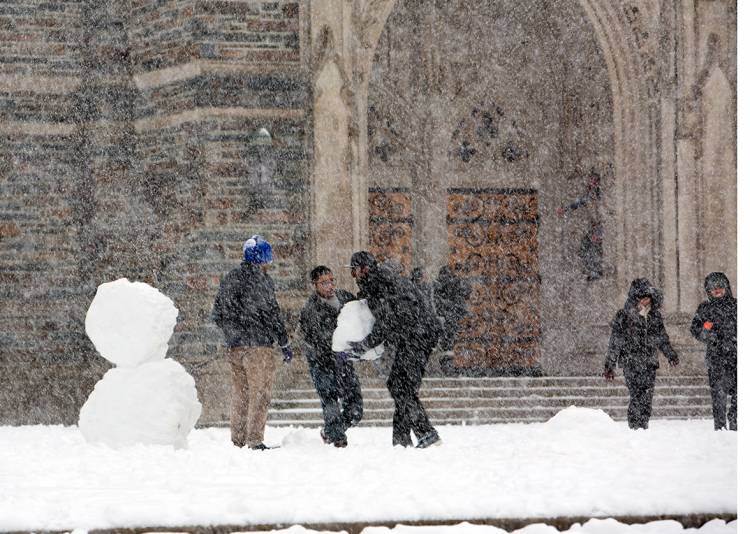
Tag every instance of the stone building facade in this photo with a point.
(147, 139)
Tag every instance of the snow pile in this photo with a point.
(130, 323)
(354, 323)
(147, 398)
(586, 420)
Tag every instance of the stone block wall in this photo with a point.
(113, 166)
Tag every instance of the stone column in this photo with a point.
(334, 199)
(687, 153)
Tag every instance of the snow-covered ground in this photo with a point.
(580, 463)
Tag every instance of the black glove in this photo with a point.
(343, 357)
(358, 348)
(287, 353)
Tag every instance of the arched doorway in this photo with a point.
(485, 119)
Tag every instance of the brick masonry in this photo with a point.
(102, 177)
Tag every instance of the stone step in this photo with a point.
(503, 400)
(479, 410)
(497, 416)
(511, 392)
(551, 380)
(521, 402)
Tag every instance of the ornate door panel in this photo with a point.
(492, 236)
(391, 226)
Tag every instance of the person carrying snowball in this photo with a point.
(247, 312)
(410, 330)
(334, 378)
(637, 332)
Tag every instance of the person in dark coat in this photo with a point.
(409, 329)
(637, 332)
(334, 378)
(247, 312)
(715, 324)
(451, 295)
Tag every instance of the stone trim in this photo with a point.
(52, 85)
(36, 128)
(200, 114)
(193, 69)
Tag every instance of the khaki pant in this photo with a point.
(252, 371)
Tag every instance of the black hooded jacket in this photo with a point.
(635, 339)
(721, 338)
(451, 294)
(246, 309)
(402, 315)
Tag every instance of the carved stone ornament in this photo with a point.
(488, 132)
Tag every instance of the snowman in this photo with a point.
(146, 398)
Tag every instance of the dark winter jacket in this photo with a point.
(721, 338)
(403, 317)
(246, 309)
(450, 294)
(635, 339)
(317, 322)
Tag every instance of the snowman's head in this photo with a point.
(130, 323)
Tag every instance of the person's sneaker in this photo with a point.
(341, 443)
(429, 439)
(325, 437)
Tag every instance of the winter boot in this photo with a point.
(336, 442)
(261, 447)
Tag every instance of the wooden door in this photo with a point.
(492, 236)
(391, 226)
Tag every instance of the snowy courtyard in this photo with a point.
(580, 463)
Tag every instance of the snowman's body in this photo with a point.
(147, 398)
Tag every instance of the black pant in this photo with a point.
(723, 382)
(335, 382)
(640, 384)
(403, 384)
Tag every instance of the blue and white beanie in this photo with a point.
(257, 250)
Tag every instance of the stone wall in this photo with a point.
(130, 148)
(132, 144)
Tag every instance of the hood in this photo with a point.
(639, 288)
(717, 279)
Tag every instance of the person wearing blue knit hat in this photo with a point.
(247, 311)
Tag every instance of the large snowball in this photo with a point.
(130, 322)
(155, 403)
(354, 323)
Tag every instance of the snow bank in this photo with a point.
(354, 323)
(155, 403)
(130, 322)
